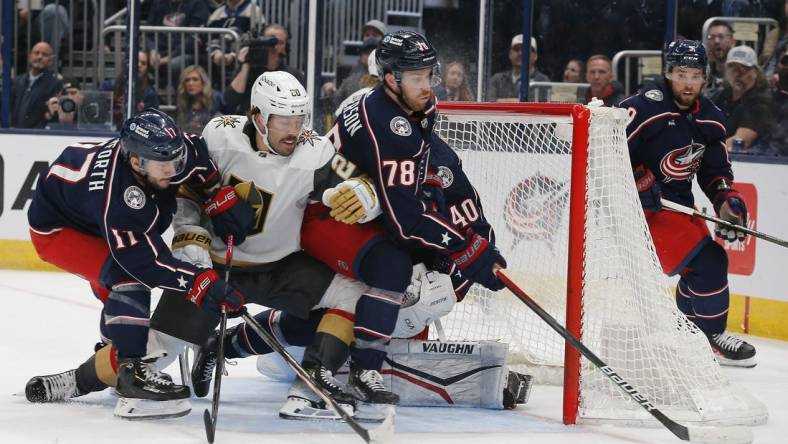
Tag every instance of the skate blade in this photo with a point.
(135, 409)
(746, 363)
(366, 412)
(303, 410)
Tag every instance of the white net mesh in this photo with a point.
(520, 164)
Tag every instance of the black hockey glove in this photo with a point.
(649, 190)
(477, 260)
(729, 205)
(211, 293)
(229, 214)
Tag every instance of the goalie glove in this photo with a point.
(432, 297)
(192, 243)
(352, 201)
(729, 205)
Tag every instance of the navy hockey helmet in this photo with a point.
(406, 51)
(153, 136)
(686, 53)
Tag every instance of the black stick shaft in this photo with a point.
(677, 429)
(210, 419)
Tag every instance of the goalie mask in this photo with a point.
(278, 93)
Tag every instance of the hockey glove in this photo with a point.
(192, 244)
(211, 293)
(229, 214)
(352, 201)
(477, 261)
(729, 205)
(649, 190)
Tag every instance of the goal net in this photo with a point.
(587, 238)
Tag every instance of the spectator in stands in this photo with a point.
(454, 86)
(575, 71)
(244, 17)
(599, 74)
(505, 85)
(352, 82)
(146, 93)
(719, 40)
(31, 91)
(197, 102)
(774, 45)
(62, 109)
(175, 50)
(744, 99)
(235, 96)
(373, 29)
(776, 140)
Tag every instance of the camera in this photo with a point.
(258, 50)
(67, 105)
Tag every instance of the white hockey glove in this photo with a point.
(192, 243)
(353, 201)
(435, 299)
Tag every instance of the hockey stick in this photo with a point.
(693, 212)
(209, 418)
(728, 435)
(379, 434)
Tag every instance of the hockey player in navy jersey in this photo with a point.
(674, 135)
(99, 213)
(388, 133)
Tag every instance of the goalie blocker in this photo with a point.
(440, 374)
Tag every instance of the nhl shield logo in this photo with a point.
(134, 197)
(400, 126)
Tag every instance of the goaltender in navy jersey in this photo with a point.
(394, 149)
(677, 145)
(91, 188)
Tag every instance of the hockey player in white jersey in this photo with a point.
(279, 165)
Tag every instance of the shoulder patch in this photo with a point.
(225, 121)
(307, 136)
(400, 126)
(654, 95)
(134, 197)
(446, 176)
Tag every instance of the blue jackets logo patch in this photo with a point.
(400, 126)
(134, 197)
(682, 163)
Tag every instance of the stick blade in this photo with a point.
(720, 435)
(384, 431)
(209, 427)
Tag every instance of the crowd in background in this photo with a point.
(751, 88)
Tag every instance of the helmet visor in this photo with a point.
(164, 169)
(422, 78)
(288, 123)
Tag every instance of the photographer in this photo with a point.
(62, 109)
(257, 56)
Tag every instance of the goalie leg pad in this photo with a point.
(448, 374)
(178, 317)
(144, 409)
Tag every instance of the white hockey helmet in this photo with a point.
(372, 64)
(279, 93)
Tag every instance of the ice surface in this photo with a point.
(50, 324)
